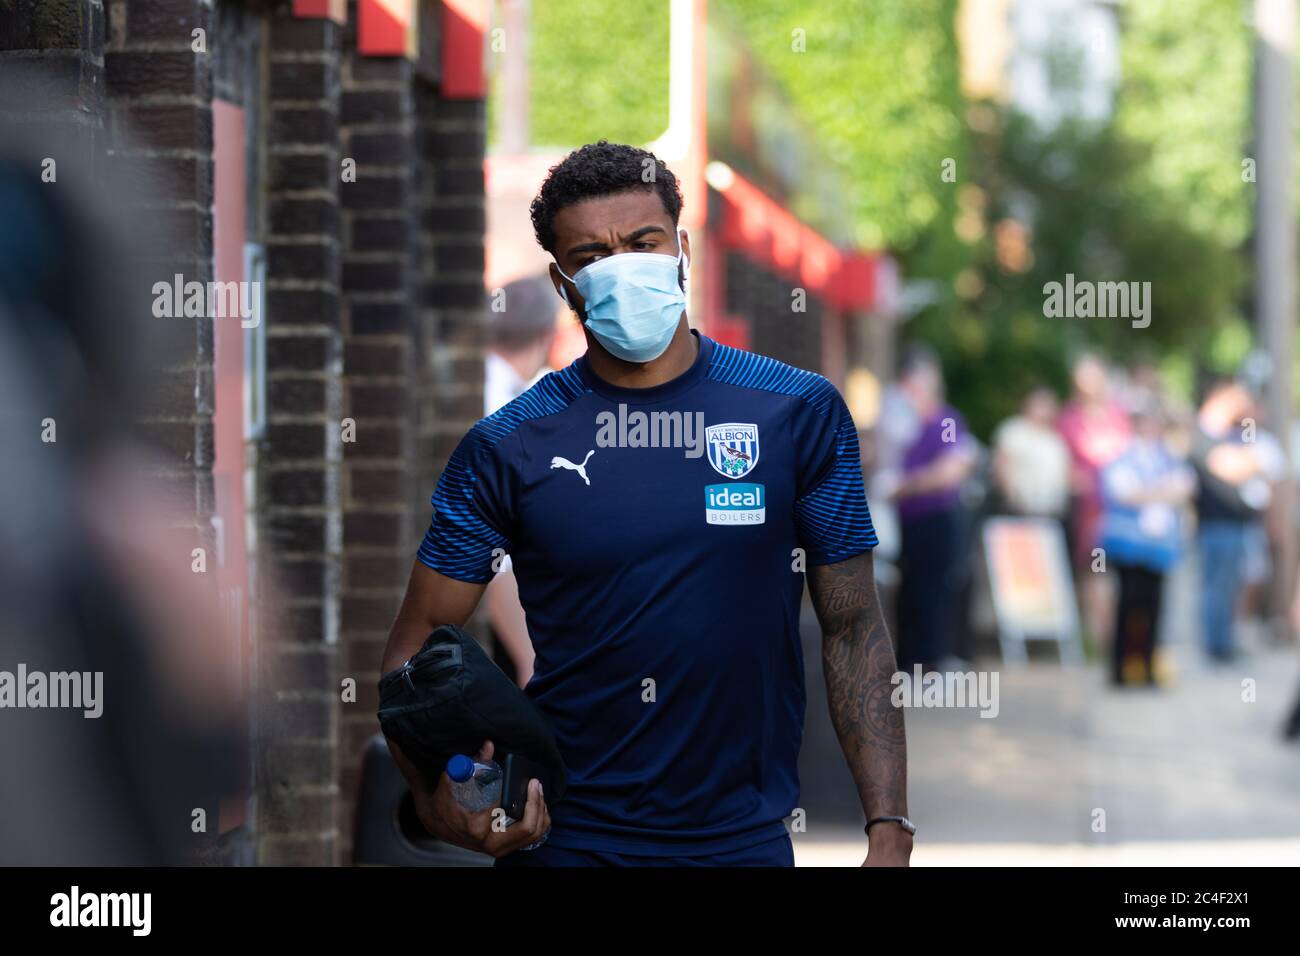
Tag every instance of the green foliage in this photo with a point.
(1186, 94)
(1156, 195)
(877, 81)
(599, 70)
(1078, 188)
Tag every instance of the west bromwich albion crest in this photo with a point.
(733, 448)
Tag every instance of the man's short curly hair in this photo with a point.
(600, 169)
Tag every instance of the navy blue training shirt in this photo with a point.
(662, 584)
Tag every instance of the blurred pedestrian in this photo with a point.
(96, 579)
(1232, 492)
(1263, 530)
(939, 458)
(1031, 462)
(1144, 494)
(1096, 429)
(522, 327)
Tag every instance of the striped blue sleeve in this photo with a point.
(474, 503)
(831, 514)
(466, 532)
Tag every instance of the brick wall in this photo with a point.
(381, 382)
(377, 316)
(301, 458)
(414, 315)
(159, 143)
(451, 135)
(52, 79)
(374, 313)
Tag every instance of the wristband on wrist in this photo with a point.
(903, 822)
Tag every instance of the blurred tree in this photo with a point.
(877, 81)
(1157, 194)
(972, 198)
(1078, 191)
(599, 71)
(1186, 94)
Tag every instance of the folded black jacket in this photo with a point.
(450, 697)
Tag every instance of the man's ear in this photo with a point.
(557, 280)
(685, 268)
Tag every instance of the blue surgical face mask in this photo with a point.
(634, 301)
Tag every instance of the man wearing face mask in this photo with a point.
(662, 572)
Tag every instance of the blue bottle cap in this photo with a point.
(460, 768)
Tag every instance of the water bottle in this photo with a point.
(476, 786)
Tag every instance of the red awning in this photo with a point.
(756, 226)
(464, 26)
(336, 10)
(386, 28)
(391, 28)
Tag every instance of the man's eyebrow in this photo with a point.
(604, 247)
(644, 230)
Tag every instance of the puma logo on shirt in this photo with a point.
(559, 462)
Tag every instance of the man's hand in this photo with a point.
(446, 819)
(432, 599)
(889, 845)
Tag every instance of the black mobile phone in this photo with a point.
(514, 787)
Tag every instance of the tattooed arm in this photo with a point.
(858, 659)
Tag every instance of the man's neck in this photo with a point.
(677, 358)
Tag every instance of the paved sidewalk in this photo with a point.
(1189, 774)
